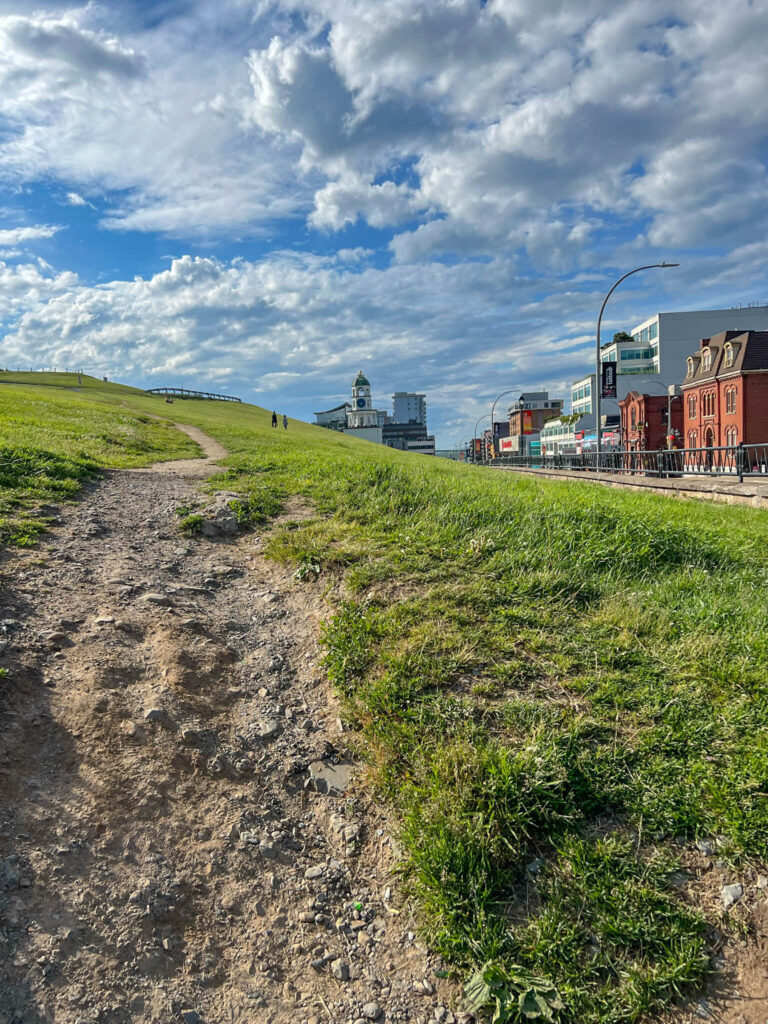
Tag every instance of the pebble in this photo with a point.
(190, 1016)
(152, 598)
(731, 894)
(316, 871)
(160, 716)
(372, 1011)
(340, 970)
(268, 729)
(270, 598)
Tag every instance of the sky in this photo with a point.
(262, 198)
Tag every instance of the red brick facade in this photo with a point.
(725, 394)
(644, 422)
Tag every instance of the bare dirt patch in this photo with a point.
(169, 849)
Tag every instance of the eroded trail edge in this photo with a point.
(181, 837)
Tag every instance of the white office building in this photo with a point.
(657, 353)
(409, 407)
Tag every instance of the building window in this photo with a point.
(690, 367)
(692, 407)
(634, 418)
(706, 359)
(729, 354)
(653, 331)
(693, 439)
(730, 400)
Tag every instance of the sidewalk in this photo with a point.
(753, 491)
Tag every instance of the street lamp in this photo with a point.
(474, 438)
(493, 407)
(598, 361)
(673, 391)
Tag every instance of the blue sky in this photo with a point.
(262, 198)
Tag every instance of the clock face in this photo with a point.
(361, 403)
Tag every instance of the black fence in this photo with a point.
(186, 393)
(736, 462)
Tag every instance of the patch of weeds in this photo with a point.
(192, 524)
(511, 994)
(307, 571)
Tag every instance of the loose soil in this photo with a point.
(164, 851)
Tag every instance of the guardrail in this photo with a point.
(186, 393)
(734, 461)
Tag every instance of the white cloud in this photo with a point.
(13, 236)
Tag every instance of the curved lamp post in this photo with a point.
(598, 361)
(474, 438)
(493, 407)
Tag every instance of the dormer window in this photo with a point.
(729, 354)
(706, 359)
(690, 367)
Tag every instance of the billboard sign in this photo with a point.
(527, 421)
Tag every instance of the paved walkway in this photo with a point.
(753, 491)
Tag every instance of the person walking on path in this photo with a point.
(274, 419)
(285, 422)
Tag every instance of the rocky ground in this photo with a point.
(181, 835)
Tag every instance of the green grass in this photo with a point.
(555, 686)
(52, 441)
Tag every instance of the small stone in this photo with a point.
(11, 875)
(731, 894)
(762, 881)
(706, 846)
(159, 715)
(153, 598)
(190, 1017)
(190, 736)
(263, 692)
(703, 1010)
(307, 917)
(103, 620)
(270, 598)
(267, 849)
(269, 729)
(331, 779)
(316, 871)
(340, 970)
(372, 1011)
(363, 938)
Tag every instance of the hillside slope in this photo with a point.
(561, 694)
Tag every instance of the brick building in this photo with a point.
(644, 425)
(725, 391)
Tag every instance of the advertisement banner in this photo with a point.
(527, 421)
(506, 444)
(609, 380)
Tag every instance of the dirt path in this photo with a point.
(165, 853)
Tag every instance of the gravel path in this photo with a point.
(181, 837)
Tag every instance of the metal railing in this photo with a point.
(186, 393)
(732, 461)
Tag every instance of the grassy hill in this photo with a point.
(559, 688)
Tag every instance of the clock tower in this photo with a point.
(362, 414)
